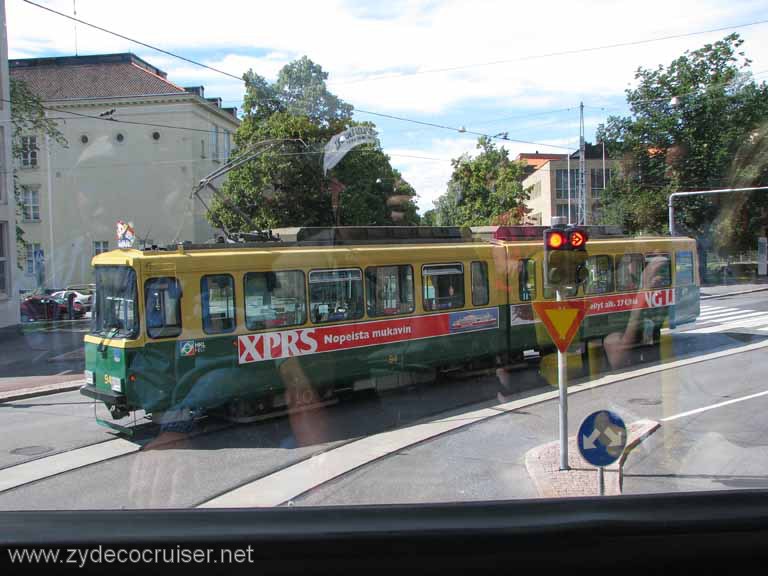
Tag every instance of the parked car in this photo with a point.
(82, 295)
(36, 308)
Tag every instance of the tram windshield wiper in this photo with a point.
(115, 327)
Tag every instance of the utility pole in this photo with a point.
(581, 195)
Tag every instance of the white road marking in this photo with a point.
(731, 317)
(721, 311)
(763, 319)
(15, 476)
(293, 481)
(713, 406)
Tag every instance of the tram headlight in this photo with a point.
(89, 377)
(116, 383)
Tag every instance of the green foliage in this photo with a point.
(483, 190)
(27, 118)
(697, 124)
(285, 185)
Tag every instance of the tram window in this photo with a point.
(335, 295)
(163, 307)
(218, 296)
(663, 276)
(629, 271)
(479, 283)
(527, 280)
(443, 286)
(275, 299)
(683, 268)
(600, 275)
(389, 290)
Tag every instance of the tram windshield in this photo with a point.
(114, 312)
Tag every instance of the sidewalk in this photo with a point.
(41, 359)
(719, 290)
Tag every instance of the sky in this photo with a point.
(487, 66)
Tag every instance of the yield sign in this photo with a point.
(562, 320)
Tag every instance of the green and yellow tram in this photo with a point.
(258, 328)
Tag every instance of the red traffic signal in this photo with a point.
(555, 240)
(577, 239)
(566, 239)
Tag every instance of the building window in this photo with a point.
(215, 143)
(100, 246)
(227, 144)
(3, 197)
(561, 183)
(29, 151)
(4, 269)
(30, 203)
(562, 210)
(34, 257)
(599, 180)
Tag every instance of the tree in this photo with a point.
(285, 185)
(698, 123)
(27, 117)
(483, 190)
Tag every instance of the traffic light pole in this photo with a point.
(562, 379)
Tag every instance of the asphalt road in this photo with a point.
(722, 447)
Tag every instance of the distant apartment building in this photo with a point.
(137, 144)
(553, 189)
(9, 273)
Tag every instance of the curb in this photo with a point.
(542, 465)
(47, 390)
(733, 293)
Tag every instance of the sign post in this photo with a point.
(762, 256)
(562, 384)
(562, 320)
(602, 438)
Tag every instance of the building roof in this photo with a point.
(534, 160)
(99, 76)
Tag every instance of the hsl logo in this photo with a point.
(274, 345)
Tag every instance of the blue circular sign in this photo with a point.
(602, 438)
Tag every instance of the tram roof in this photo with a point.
(383, 235)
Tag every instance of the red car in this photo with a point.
(48, 308)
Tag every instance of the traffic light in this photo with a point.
(565, 257)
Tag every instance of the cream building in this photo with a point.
(9, 273)
(136, 146)
(548, 183)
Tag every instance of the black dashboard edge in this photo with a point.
(701, 531)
